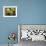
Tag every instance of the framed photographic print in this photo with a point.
(9, 11)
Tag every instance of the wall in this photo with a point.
(29, 12)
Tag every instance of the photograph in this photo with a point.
(9, 11)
